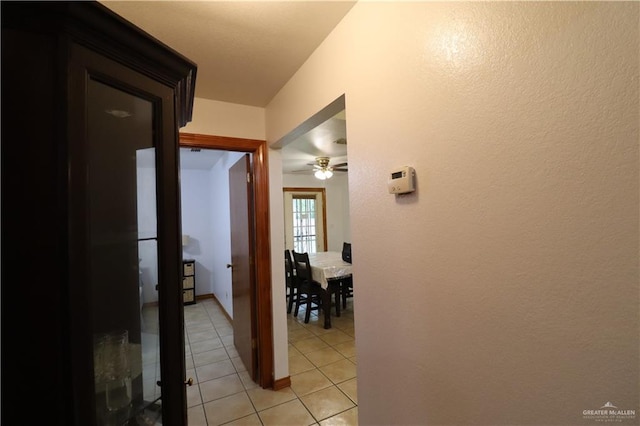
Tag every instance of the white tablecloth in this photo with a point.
(328, 265)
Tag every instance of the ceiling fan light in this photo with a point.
(319, 174)
(328, 174)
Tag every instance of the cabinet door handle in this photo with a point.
(189, 382)
(229, 265)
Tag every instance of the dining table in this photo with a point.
(329, 270)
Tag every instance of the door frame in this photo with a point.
(260, 173)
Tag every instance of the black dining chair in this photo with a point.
(346, 252)
(290, 280)
(347, 283)
(309, 291)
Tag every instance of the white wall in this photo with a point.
(221, 229)
(337, 194)
(226, 119)
(505, 290)
(276, 210)
(198, 222)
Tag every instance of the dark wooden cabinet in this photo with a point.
(91, 108)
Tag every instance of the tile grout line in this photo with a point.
(298, 397)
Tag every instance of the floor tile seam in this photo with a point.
(205, 414)
(304, 406)
(200, 324)
(341, 382)
(338, 350)
(209, 363)
(350, 399)
(341, 412)
(224, 396)
(204, 340)
(201, 398)
(195, 319)
(225, 375)
(211, 338)
(325, 376)
(216, 362)
(255, 410)
(236, 368)
(208, 350)
(332, 347)
(307, 408)
(240, 418)
(189, 335)
(325, 418)
(318, 367)
(282, 403)
(345, 394)
(192, 360)
(219, 377)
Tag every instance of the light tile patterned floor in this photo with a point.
(322, 367)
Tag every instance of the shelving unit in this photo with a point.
(189, 281)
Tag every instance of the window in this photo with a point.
(304, 223)
(305, 220)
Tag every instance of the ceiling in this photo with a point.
(325, 140)
(246, 51)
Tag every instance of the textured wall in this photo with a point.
(226, 119)
(505, 290)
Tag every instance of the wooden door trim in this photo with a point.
(323, 191)
(264, 317)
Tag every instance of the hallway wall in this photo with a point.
(505, 289)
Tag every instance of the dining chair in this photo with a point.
(346, 252)
(347, 283)
(290, 279)
(309, 291)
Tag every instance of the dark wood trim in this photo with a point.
(225, 143)
(45, 91)
(282, 383)
(95, 26)
(323, 191)
(264, 308)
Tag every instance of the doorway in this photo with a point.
(328, 355)
(261, 251)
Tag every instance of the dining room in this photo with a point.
(322, 355)
(316, 199)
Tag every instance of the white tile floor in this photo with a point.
(322, 367)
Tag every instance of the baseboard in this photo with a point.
(198, 297)
(213, 296)
(206, 296)
(285, 382)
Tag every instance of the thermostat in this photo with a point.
(401, 180)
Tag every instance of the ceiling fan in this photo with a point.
(322, 170)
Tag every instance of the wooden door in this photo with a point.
(243, 276)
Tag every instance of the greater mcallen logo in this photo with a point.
(609, 413)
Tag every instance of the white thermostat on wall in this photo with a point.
(401, 180)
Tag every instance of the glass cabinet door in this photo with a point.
(123, 256)
(95, 104)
